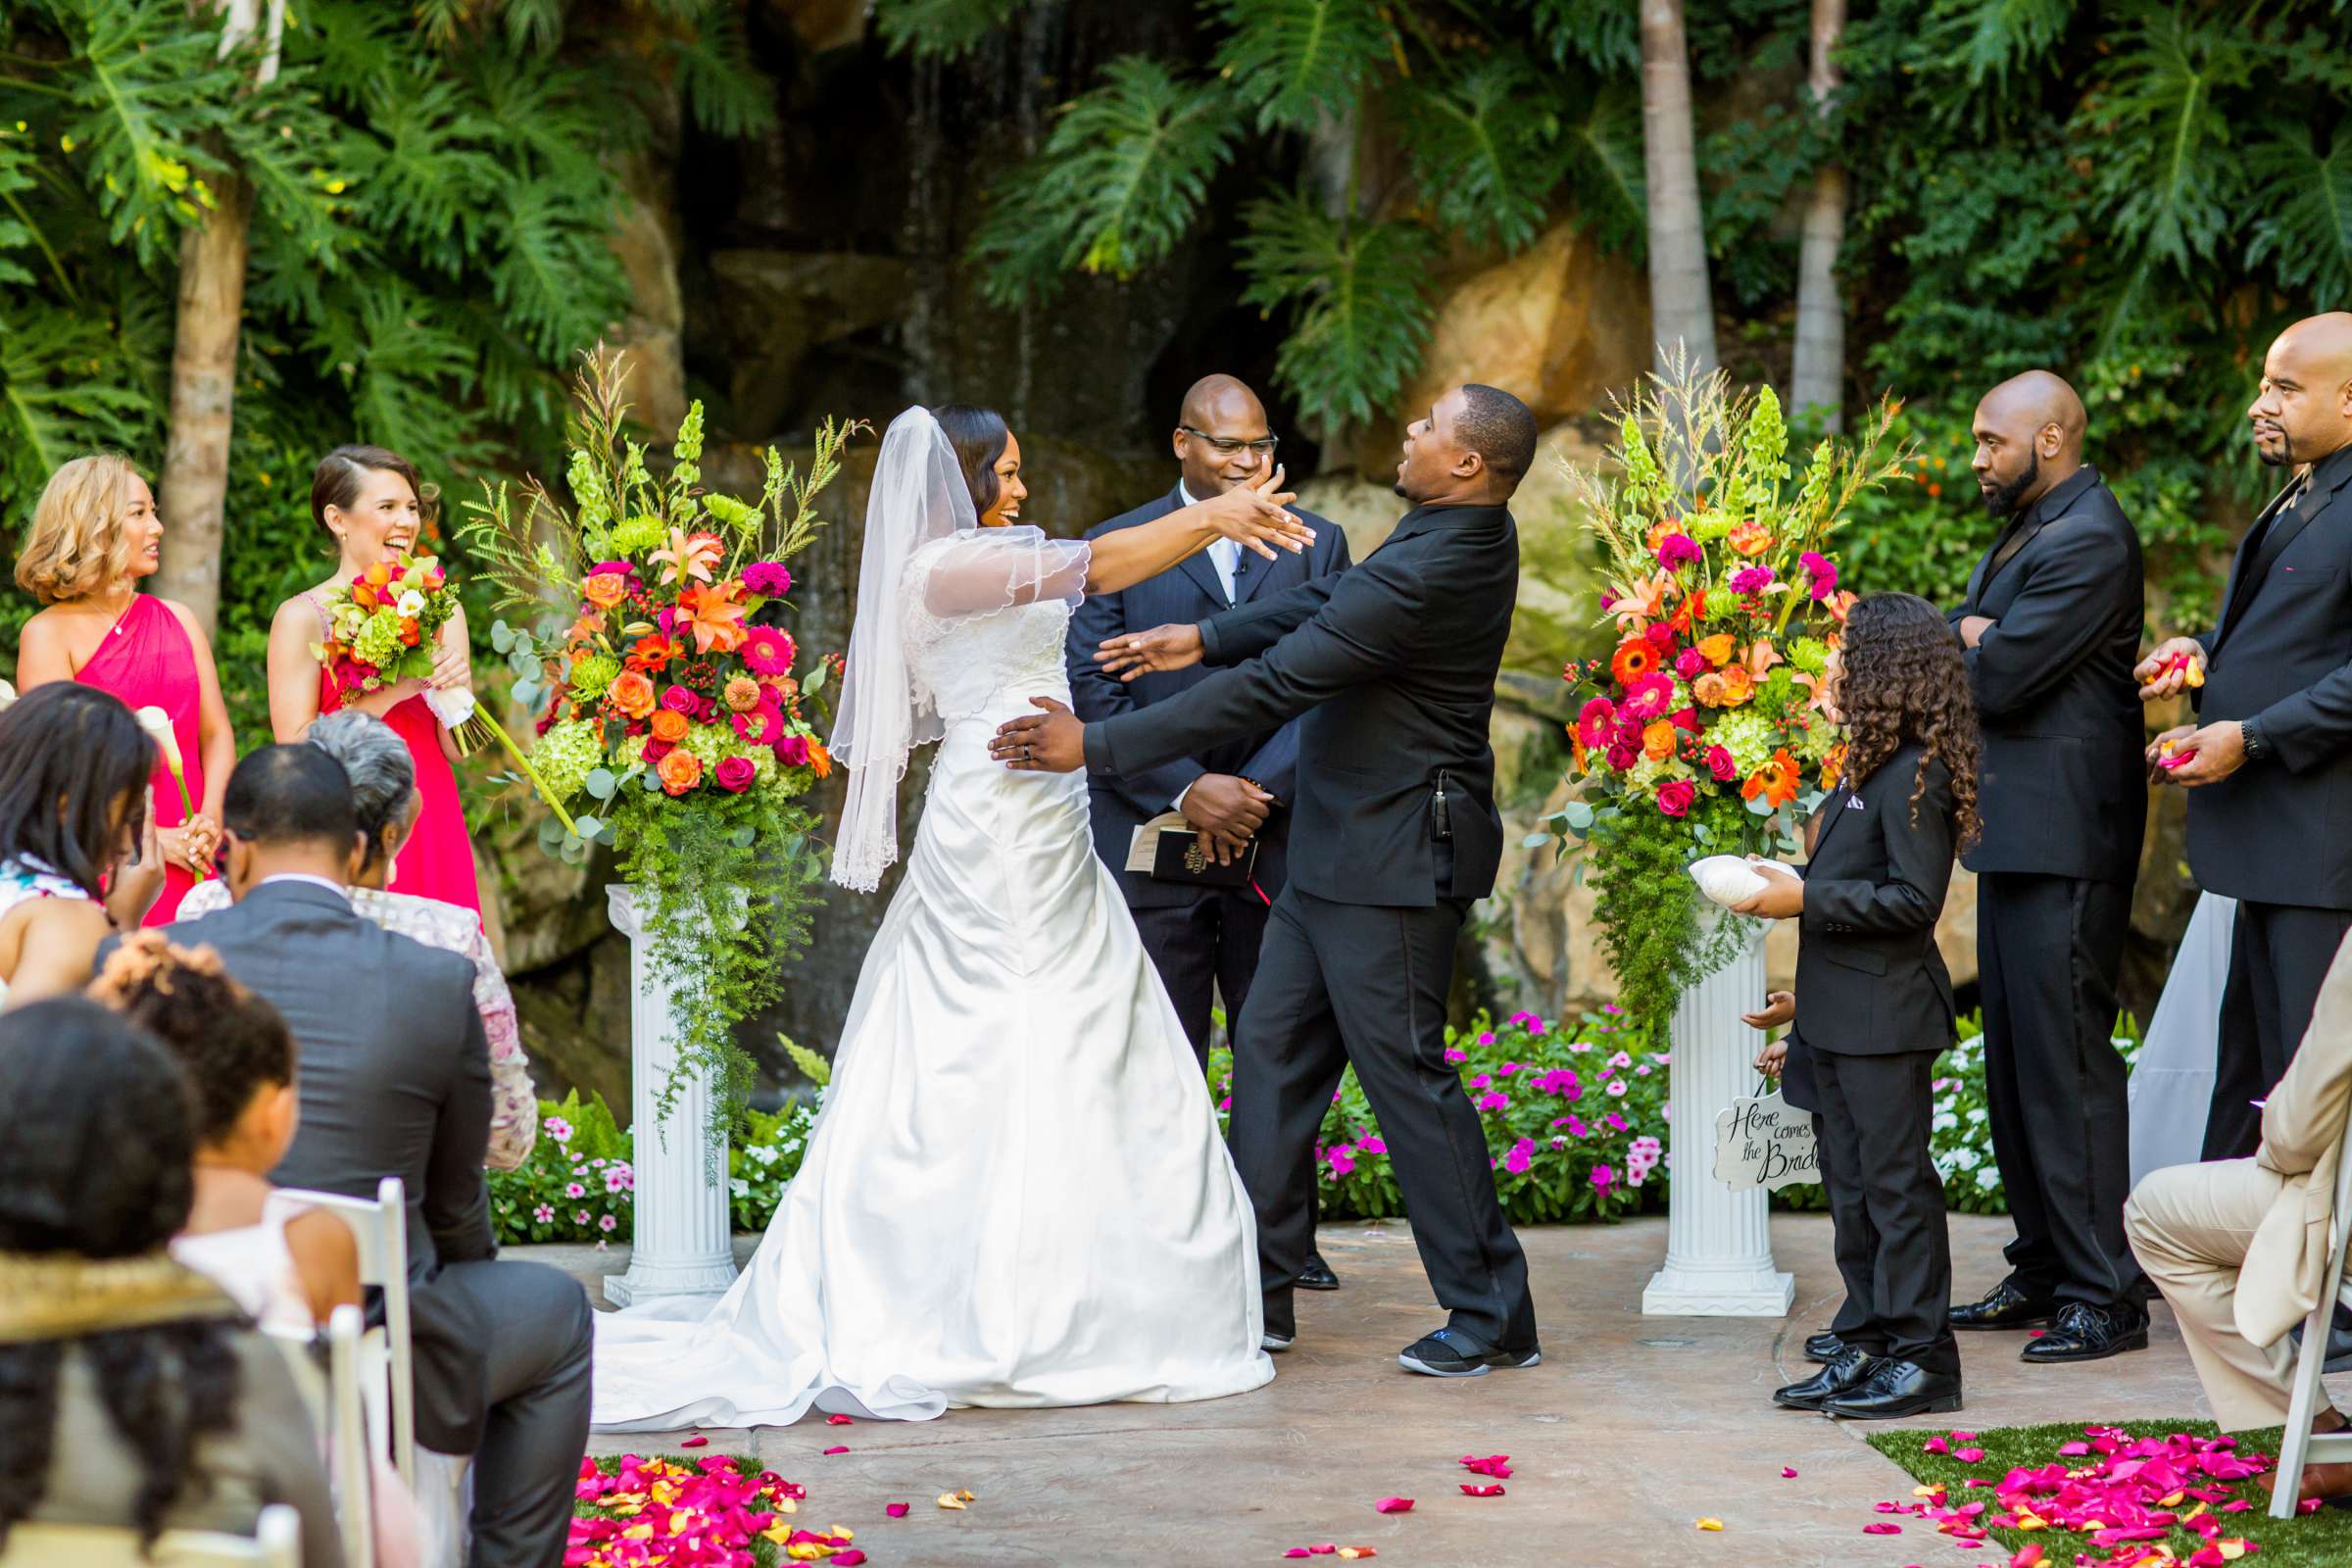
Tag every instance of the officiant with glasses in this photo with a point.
(1198, 845)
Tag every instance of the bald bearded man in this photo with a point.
(2051, 624)
(2270, 760)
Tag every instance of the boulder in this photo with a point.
(776, 307)
(821, 25)
(645, 238)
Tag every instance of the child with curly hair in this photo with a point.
(1872, 1007)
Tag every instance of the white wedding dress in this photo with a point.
(1016, 1195)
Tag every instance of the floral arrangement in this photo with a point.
(1702, 732)
(381, 625)
(676, 715)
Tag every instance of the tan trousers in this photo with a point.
(2190, 1226)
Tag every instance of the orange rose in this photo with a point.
(632, 693)
(679, 771)
(606, 589)
(1657, 740)
(669, 725)
(1635, 657)
(1658, 531)
(1749, 538)
(1739, 686)
(1715, 650)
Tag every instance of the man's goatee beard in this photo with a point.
(2287, 452)
(1398, 489)
(2001, 500)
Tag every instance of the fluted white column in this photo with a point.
(1717, 1246)
(681, 1241)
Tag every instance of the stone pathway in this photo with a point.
(1632, 1429)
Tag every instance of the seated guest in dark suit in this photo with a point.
(395, 1081)
(132, 1392)
(1874, 1003)
(1204, 940)
(2051, 622)
(2269, 769)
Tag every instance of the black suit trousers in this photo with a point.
(2051, 949)
(1887, 1202)
(1203, 948)
(1365, 984)
(541, 1337)
(2278, 956)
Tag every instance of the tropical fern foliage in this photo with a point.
(432, 192)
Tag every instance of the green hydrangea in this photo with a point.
(567, 755)
(591, 674)
(1748, 735)
(378, 642)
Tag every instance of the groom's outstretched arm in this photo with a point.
(1095, 693)
(1247, 631)
(1364, 627)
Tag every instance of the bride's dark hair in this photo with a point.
(978, 436)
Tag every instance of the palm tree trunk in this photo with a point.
(1818, 377)
(1682, 306)
(192, 494)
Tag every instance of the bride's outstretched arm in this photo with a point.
(1252, 514)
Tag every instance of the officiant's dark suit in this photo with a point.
(1201, 939)
(2063, 797)
(1394, 836)
(2277, 834)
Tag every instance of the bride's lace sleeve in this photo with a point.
(982, 570)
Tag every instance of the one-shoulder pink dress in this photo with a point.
(437, 861)
(147, 660)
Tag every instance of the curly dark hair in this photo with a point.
(99, 1165)
(232, 1042)
(71, 756)
(1905, 681)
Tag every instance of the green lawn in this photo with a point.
(2322, 1540)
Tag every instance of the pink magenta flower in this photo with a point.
(1372, 1146)
(736, 773)
(1648, 698)
(1823, 573)
(543, 1213)
(1675, 797)
(1677, 551)
(769, 651)
(1456, 1055)
(1481, 1081)
(1493, 1101)
(581, 1217)
(1616, 1123)
(1617, 1087)
(574, 1189)
(1749, 581)
(793, 751)
(1602, 1177)
(1596, 722)
(763, 726)
(607, 1223)
(1721, 765)
(559, 1129)
(768, 578)
(1342, 1160)
(1689, 664)
(1521, 1156)
(679, 700)
(615, 1179)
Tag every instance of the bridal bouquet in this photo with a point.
(1702, 732)
(677, 716)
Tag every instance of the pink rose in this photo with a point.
(1676, 795)
(735, 774)
(678, 700)
(1622, 757)
(1689, 664)
(793, 751)
(1719, 764)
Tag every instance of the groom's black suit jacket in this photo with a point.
(2275, 831)
(1393, 663)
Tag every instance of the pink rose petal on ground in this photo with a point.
(1788, 1474)
(2073, 1451)
(1881, 1528)
(1969, 1455)
(1323, 1551)
(847, 1559)
(1297, 1551)
(1964, 1437)
(837, 1420)
(697, 1440)
(829, 1453)
(896, 1510)
(2028, 1555)
(1935, 1446)
(1469, 1491)
(1394, 1506)
(2237, 1505)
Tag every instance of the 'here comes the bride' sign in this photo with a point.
(1765, 1143)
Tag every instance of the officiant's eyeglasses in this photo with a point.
(1224, 448)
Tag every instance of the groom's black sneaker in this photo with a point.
(1318, 1275)
(1451, 1353)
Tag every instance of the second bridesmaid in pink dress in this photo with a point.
(95, 535)
(371, 503)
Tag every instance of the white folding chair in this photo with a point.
(276, 1542)
(2302, 1445)
(349, 1454)
(381, 1229)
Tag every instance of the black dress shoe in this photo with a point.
(1894, 1389)
(2005, 1306)
(1318, 1275)
(1847, 1370)
(1824, 1347)
(1451, 1353)
(2086, 1333)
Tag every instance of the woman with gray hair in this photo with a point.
(384, 794)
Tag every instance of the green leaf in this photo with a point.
(2158, 133)
(1486, 150)
(588, 828)
(1534, 841)
(2303, 188)
(1301, 61)
(816, 678)
(600, 784)
(813, 1067)
(1358, 298)
(939, 29)
(502, 636)
(1578, 814)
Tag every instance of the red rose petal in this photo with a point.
(837, 1420)
(1470, 1490)
(829, 1453)
(896, 1510)
(1881, 1528)
(847, 1559)
(697, 1440)
(1394, 1506)
(1788, 1474)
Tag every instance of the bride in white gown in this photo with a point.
(1016, 1195)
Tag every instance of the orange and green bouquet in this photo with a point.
(677, 716)
(1702, 731)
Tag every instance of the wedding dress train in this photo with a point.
(1016, 1195)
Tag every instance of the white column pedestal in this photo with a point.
(1717, 1246)
(682, 1244)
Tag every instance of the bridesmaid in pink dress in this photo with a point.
(370, 502)
(94, 535)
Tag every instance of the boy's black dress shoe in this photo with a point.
(2004, 1307)
(1847, 1370)
(1824, 1347)
(1896, 1389)
(2086, 1333)
(1451, 1353)
(1318, 1275)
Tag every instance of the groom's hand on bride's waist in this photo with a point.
(1050, 742)
(1163, 648)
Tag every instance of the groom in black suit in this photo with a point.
(1394, 837)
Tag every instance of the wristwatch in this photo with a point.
(2257, 745)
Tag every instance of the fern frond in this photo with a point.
(62, 392)
(429, 168)
(1605, 170)
(556, 277)
(1604, 33)
(2303, 190)
(1486, 152)
(1115, 187)
(940, 29)
(1301, 60)
(1990, 37)
(2158, 135)
(722, 89)
(1357, 299)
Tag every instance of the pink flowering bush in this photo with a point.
(1575, 1120)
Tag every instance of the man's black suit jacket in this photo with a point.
(2063, 791)
(1868, 978)
(1393, 663)
(394, 1081)
(2279, 831)
(1189, 591)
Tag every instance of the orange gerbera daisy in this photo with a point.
(1635, 657)
(1777, 781)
